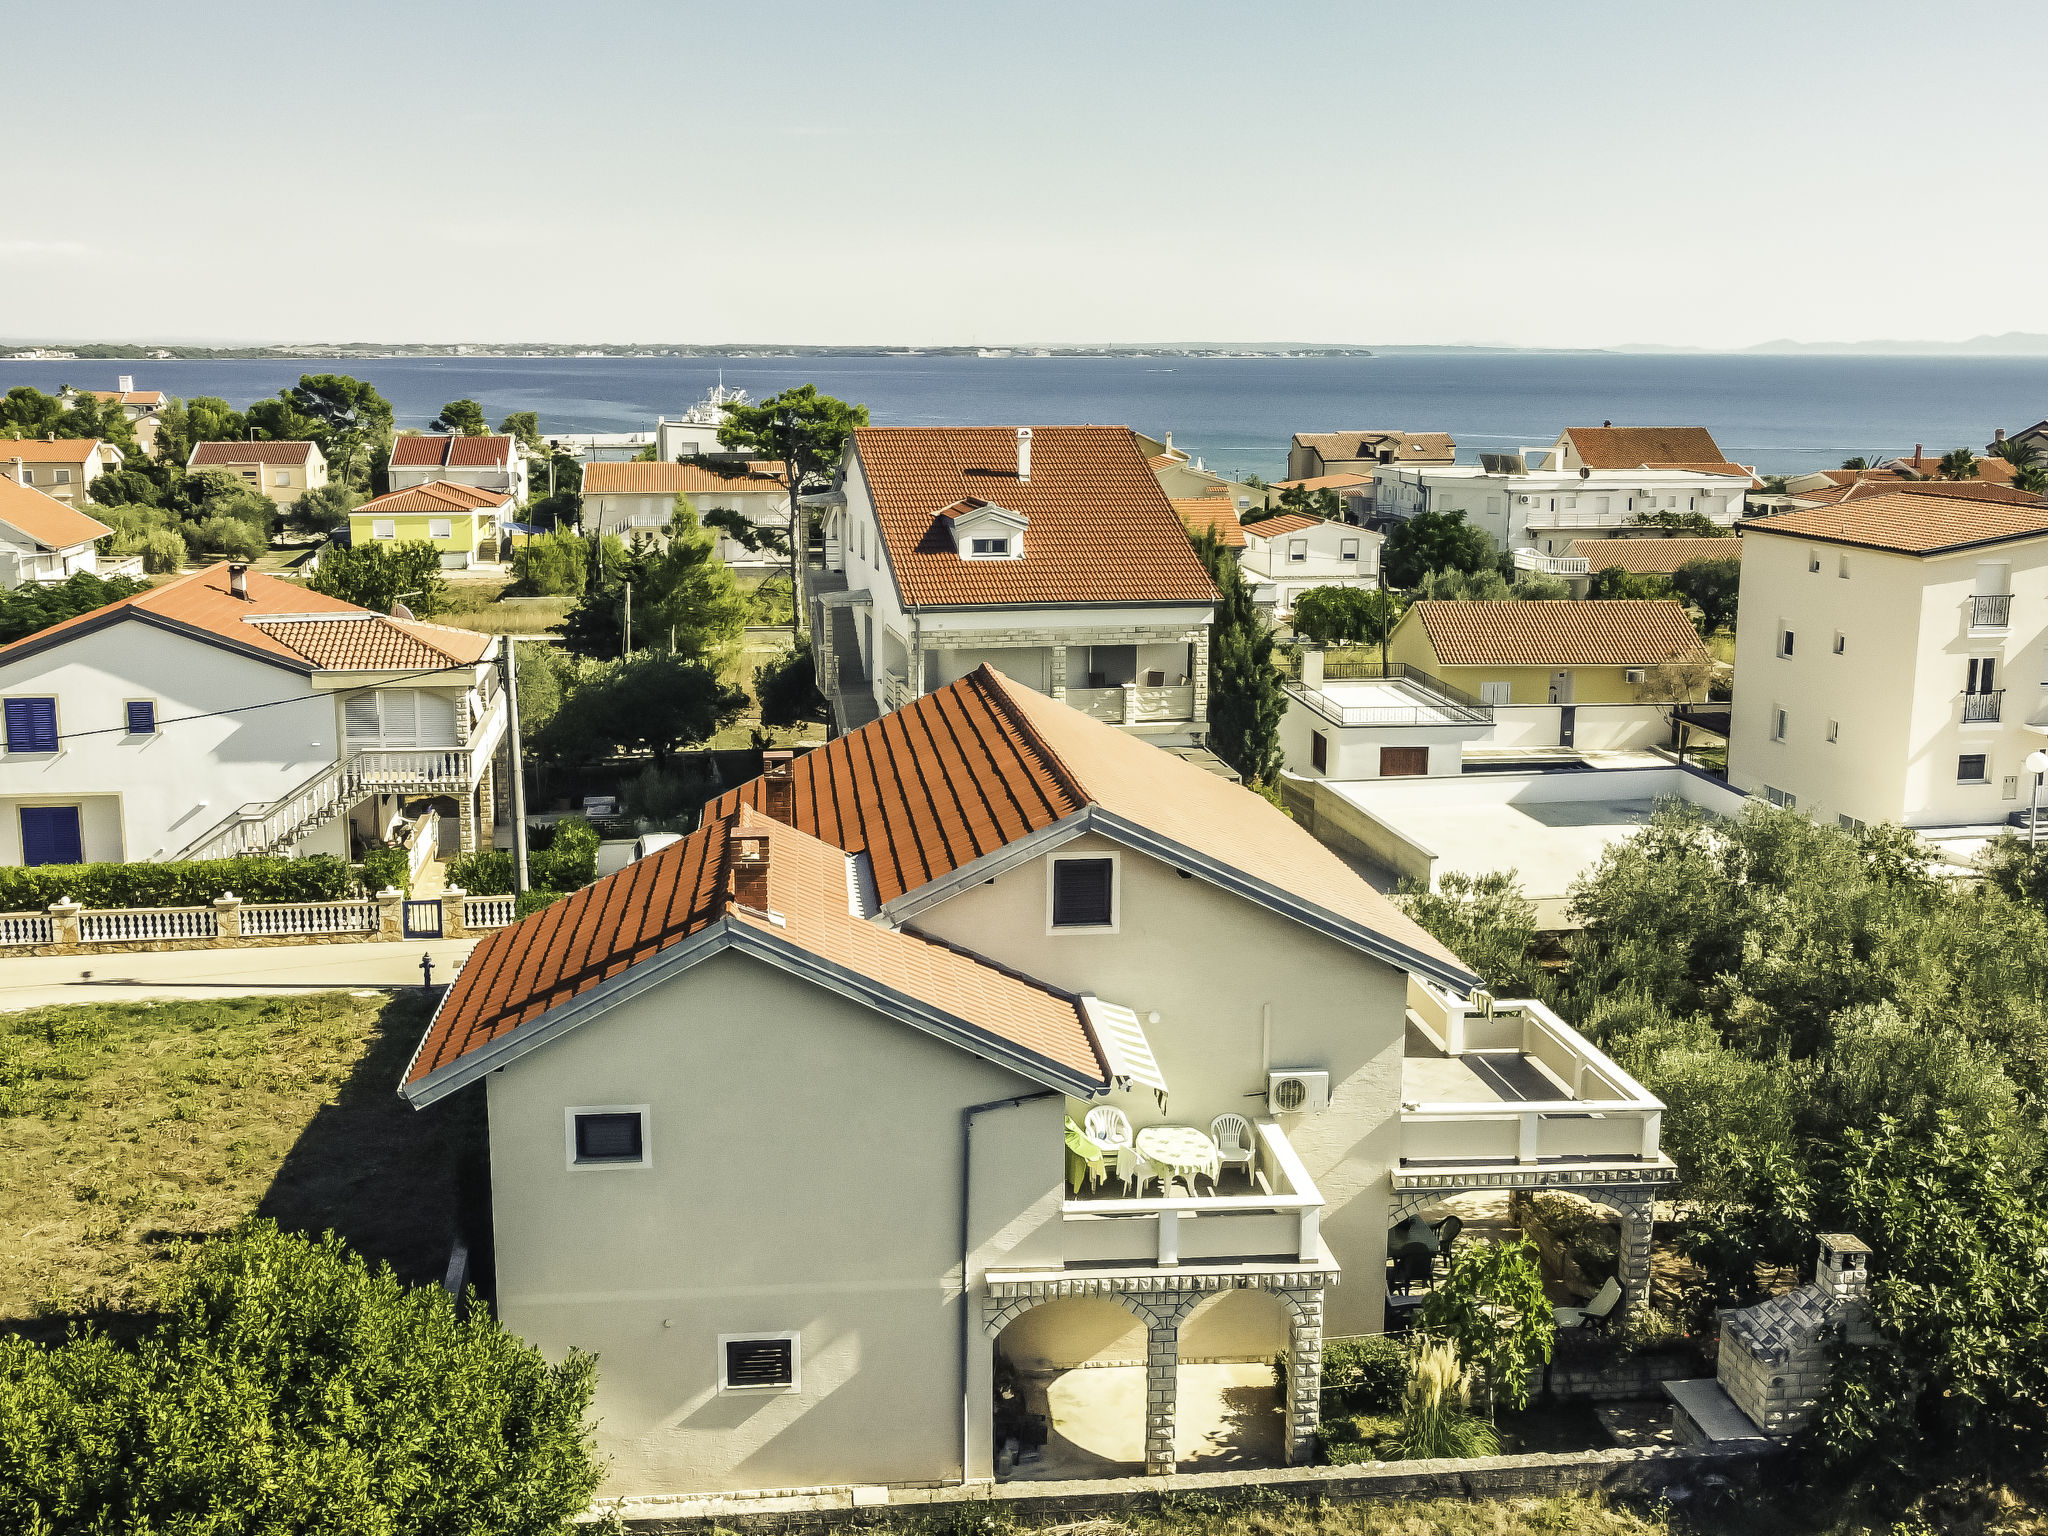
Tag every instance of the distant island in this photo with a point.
(2007, 344)
(364, 351)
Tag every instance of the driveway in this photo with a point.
(37, 981)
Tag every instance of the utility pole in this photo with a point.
(511, 659)
(626, 632)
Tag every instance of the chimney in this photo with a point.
(1916, 455)
(1843, 1271)
(1606, 423)
(238, 579)
(127, 383)
(778, 796)
(19, 470)
(1998, 436)
(748, 855)
(1023, 455)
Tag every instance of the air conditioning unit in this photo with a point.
(1523, 501)
(1634, 674)
(1297, 1093)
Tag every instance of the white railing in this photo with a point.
(895, 691)
(1426, 710)
(1098, 703)
(1552, 565)
(1538, 518)
(1166, 703)
(27, 928)
(278, 919)
(1284, 1223)
(489, 911)
(128, 926)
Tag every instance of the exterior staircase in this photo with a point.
(268, 828)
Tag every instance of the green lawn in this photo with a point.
(130, 1131)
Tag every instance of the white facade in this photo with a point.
(508, 475)
(1874, 686)
(1544, 510)
(25, 559)
(1291, 560)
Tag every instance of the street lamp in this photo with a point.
(2037, 764)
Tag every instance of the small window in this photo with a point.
(284, 477)
(63, 477)
(609, 1136)
(1778, 725)
(1496, 693)
(1813, 560)
(440, 527)
(1971, 769)
(1834, 731)
(990, 547)
(1319, 751)
(1841, 642)
(1084, 892)
(1347, 549)
(1779, 797)
(31, 725)
(1848, 823)
(1842, 566)
(1784, 642)
(762, 1362)
(1297, 549)
(1983, 675)
(141, 717)
(383, 528)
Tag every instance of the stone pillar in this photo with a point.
(390, 913)
(451, 913)
(1057, 680)
(1637, 1224)
(64, 922)
(1162, 1371)
(227, 918)
(1305, 1378)
(1130, 703)
(465, 814)
(1199, 672)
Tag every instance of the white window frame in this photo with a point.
(1841, 643)
(155, 721)
(989, 547)
(1347, 549)
(440, 527)
(283, 477)
(383, 527)
(1116, 893)
(1297, 550)
(63, 477)
(1497, 693)
(1834, 732)
(1787, 638)
(1781, 723)
(796, 1359)
(1842, 567)
(607, 1164)
(1983, 779)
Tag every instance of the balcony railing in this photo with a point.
(1131, 704)
(1552, 565)
(1282, 1221)
(1981, 707)
(1991, 610)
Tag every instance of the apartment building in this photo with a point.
(59, 467)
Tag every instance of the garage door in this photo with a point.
(1403, 762)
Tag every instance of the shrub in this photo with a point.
(1352, 1438)
(318, 877)
(552, 565)
(163, 552)
(1434, 1423)
(225, 537)
(658, 795)
(1366, 1375)
(292, 1387)
(787, 687)
(387, 868)
(532, 901)
(487, 872)
(566, 859)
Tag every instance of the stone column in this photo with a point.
(1198, 674)
(1130, 703)
(1305, 1378)
(1058, 678)
(64, 923)
(1638, 1211)
(1162, 1372)
(390, 913)
(451, 913)
(227, 918)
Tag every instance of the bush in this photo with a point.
(1366, 1375)
(1434, 1423)
(787, 687)
(318, 877)
(33, 605)
(552, 565)
(487, 872)
(660, 795)
(387, 868)
(292, 1387)
(1352, 1438)
(225, 538)
(532, 901)
(163, 552)
(565, 858)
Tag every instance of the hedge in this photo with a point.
(319, 877)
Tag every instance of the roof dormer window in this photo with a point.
(989, 549)
(984, 531)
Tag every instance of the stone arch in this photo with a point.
(998, 1313)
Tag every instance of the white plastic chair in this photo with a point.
(1234, 1143)
(1108, 1126)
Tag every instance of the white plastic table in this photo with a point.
(1184, 1150)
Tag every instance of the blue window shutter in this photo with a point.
(141, 717)
(31, 725)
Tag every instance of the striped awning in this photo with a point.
(1125, 1049)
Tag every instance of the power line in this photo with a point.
(243, 709)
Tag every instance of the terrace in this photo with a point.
(1351, 690)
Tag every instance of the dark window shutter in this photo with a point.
(1319, 751)
(760, 1362)
(608, 1139)
(31, 725)
(141, 717)
(1081, 893)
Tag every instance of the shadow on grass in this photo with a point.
(399, 1185)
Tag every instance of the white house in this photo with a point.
(42, 539)
(639, 497)
(490, 463)
(1891, 659)
(1049, 552)
(142, 407)
(789, 1122)
(60, 467)
(1289, 554)
(130, 732)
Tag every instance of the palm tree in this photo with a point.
(2031, 478)
(1957, 464)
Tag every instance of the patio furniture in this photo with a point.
(1447, 1232)
(1182, 1150)
(1107, 1126)
(1413, 1233)
(1597, 1313)
(1401, 1312)
(1086, 1159)
(1410, 1265)
(1233, 1137)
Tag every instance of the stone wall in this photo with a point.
(1623, 1379)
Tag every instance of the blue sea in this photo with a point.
(1782, 414)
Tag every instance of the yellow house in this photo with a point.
(459, 520)
(283, 470)
(1509, 652)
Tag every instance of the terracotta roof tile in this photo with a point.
(1605, 633)
(636, 478)
(1338, 482)
(1913, 520)
(1200, 514)
(1101, 530)
(415, 451)
(1850, 485)
(1990, 471)
(1663, 447)
(375, 643)
(144, 397)
(1286, 522)
(434, 496)
(220, 455)
(1369, 442)
(44, 518)
(43, 450)
(1653, 557)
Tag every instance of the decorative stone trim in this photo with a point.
(1453, 1180)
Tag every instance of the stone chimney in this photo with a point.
(1843, 1273)
(748, 855)
(238, 579)
(778, 790)
(1023, 455)
(1998, 436)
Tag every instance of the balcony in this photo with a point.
(1982, 708)
(1552, 565)
(1351, 690)
(1133, 704)
(1990, 612)
(1507, 1095)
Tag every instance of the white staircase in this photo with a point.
(261, 828)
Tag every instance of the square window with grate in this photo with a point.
(610, 1136)
(764, 1363)
(1083, 893)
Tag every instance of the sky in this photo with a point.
(1541, 173)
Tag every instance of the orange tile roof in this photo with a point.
(1101, 529)
(414, 451)
(1658, 447)
(434, 496)
(1201, 514)
(375, 643)
(635, 477)
(1286, 522)
(1926, 519)
(1991, 471)
(203, 606)
(43, 450)
(1861, 487)
(1653, 557)
(982, 763)
(1606, 633)
(689, 889)
(148, 397)
(44, 518)
(1368, 442)
(235, 451)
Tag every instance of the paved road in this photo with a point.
(37, 981)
